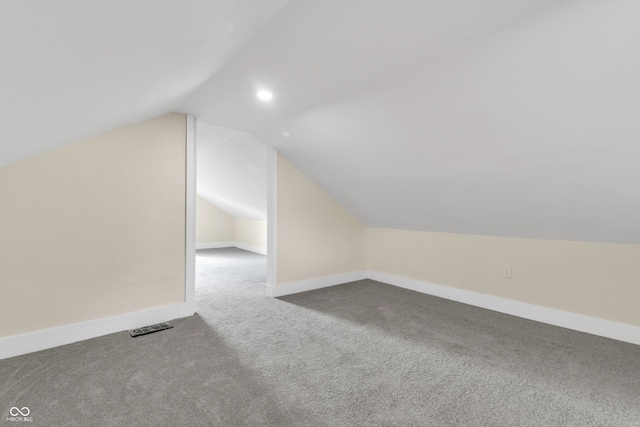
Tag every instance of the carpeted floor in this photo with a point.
(361, 354)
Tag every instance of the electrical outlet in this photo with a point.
(506, 272)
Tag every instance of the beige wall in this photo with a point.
(251, 232)
(213, 224)
(594, 279)
(94, 229)
(316, 237)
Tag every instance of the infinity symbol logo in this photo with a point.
(15, 411)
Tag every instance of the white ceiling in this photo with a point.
(502, 117)
(232, 170)
(72, 69)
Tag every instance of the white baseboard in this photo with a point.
(251, 248)
(578, 322)
(215, 245)
(311, 284)
(16, 345)
(186, 309)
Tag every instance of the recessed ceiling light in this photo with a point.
(264, 95)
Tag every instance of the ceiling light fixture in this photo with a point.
(264, 95)
(286, 134)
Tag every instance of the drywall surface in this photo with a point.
(316, 237)
(251, 232)
(212, 223)
(94, 229)
(594, 279)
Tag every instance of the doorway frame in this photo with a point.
(189, 308)
(191, 182)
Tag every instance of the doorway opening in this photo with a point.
(232, 234)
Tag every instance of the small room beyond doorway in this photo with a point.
(231, 213)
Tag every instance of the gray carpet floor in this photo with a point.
(360, 354)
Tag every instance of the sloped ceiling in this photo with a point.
(232, 170)
(501, 117)
(71, 69)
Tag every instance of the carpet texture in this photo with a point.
(360, 354)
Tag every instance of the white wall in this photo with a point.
(94, 229)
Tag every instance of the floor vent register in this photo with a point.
(149, 329)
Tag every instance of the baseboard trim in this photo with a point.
(251, 248)
(578, 322)
(16, 345)
(215, 245)
(311, 284)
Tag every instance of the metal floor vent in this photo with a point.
(149, 329)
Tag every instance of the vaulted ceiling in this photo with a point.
(502, 117)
